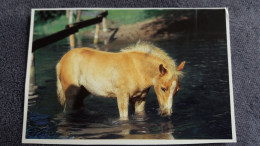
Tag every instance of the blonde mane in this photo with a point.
(149, 48)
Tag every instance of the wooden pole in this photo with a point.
(79, 42)
(67, 13)
(33, 86)
(32, 72)
(96, 33)
(78, 15)
(70, 16)
(72, 37)
(104, 22)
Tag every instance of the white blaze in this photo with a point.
(173, 86)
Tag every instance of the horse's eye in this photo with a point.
(164, 89)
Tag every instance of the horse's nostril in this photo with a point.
(163, 114)
(166, 114)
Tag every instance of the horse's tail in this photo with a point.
(60, 92)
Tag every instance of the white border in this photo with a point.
(27, 80)
(127, 141)
(232, 109)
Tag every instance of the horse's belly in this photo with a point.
(99, 87)
(100, 91)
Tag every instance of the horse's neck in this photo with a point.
(149, 69)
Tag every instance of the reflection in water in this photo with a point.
(135, 128)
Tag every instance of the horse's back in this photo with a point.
(101, 73)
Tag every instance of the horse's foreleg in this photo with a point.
(122, 102)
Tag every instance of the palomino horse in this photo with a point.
(126, 75)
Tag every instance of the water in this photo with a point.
(201, 109)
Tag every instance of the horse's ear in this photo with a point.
(162, 70)
(180, 67)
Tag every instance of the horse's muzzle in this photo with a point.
(166, 112)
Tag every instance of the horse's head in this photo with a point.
(166, 86)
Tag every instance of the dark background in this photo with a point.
(245, 42)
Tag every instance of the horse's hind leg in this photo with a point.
(79, 101)
(139, 103)
(139, 107)
(74, 98)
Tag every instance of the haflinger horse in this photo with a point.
(126, 75)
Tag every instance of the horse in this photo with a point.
(126, 75)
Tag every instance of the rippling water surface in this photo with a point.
(201, 109)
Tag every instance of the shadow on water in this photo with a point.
(201, 109)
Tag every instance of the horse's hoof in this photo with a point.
(123, 118)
